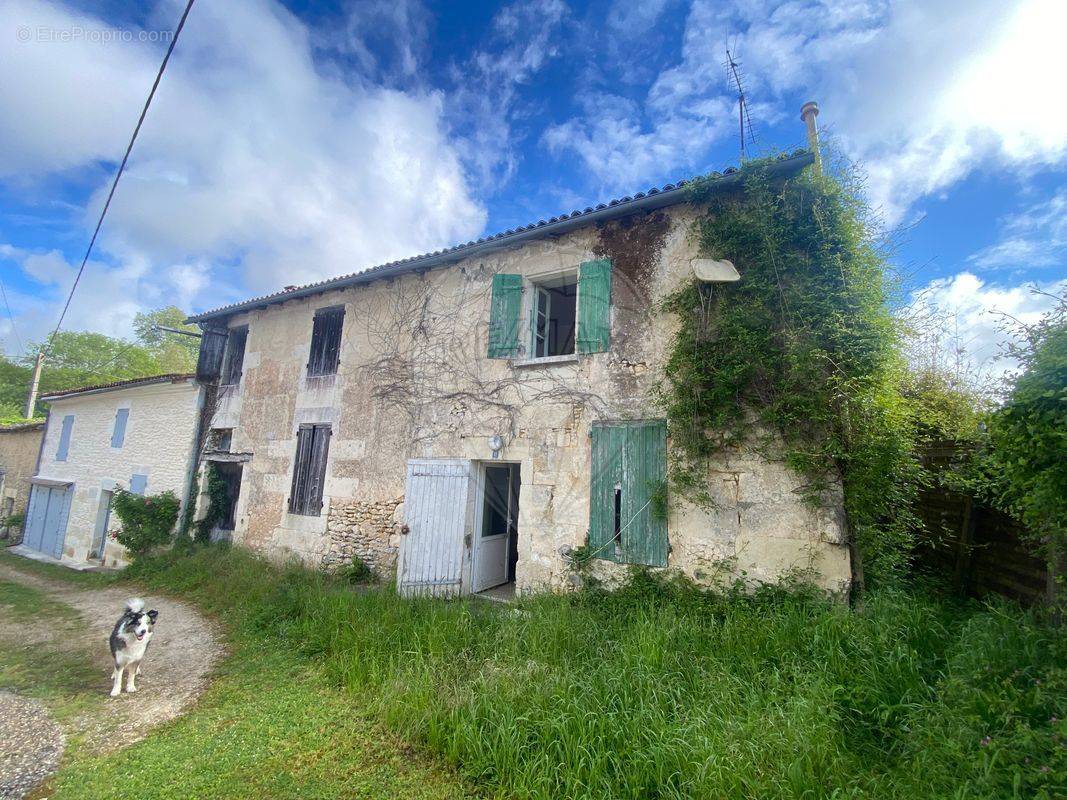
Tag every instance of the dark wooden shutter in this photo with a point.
(504, 311)
(326, 341)
(235, 355)
(212, 347)
(298, 491)
(594, 306)
(320, 448)
(629, 463)
(309, 469)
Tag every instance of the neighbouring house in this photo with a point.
(19, 445)
(473, 417)
(138, 435)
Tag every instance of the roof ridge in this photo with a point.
(654, 197)
(146, 379)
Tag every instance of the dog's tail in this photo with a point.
(135, 605)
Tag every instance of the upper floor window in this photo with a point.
(326, 341)
(234, 359)
(568, 313)
(64, 438)
(118, 432)
(554, 317)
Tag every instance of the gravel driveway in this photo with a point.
(31, 744)
(185, 649)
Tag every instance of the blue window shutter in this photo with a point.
(64, 438)
(594, 306)
(118, 435)
(504, 310)
(138, 484)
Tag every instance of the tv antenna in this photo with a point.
(744, 120)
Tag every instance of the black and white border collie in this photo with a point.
(129, 642)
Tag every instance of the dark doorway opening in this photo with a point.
(230, 475)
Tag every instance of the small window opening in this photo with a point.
(617, 529)
(554, 314)
(221, 440)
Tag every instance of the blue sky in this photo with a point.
(295, 141)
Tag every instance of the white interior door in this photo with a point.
(497, 520)
(437, 510)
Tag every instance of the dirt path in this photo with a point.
(185, 649)
(31, 744)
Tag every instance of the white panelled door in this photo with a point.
(437, 510)
(499, 509)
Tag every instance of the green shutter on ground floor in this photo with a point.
(629, 465)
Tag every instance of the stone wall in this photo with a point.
(414, 381)
(19, 445)
(366, 530)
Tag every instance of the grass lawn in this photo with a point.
(272, 725)
(656, 691)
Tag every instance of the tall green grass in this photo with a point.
(659, 691)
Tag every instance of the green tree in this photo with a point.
(1022, 468)
(174, 352)
(81, 358)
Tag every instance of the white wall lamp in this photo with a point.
(496, 444)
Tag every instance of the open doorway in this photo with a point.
(497, 550)
(230, 475)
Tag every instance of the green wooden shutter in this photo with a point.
(630, 459)
(504, 312)
(594, 306)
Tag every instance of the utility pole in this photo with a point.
(31, 400)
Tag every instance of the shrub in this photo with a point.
(147, 520)
(358, 571)
(14, 521)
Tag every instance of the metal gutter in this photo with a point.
(648, 202)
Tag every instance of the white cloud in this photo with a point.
(254, 153)
(1035, 237)
(963, 323)
(109, 296)
(921, 91)
(482, 107)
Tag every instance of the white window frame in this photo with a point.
(533, 289)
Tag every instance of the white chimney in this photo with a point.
(808, 112)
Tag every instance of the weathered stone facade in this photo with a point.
(19, 446)
(369, 531)
(414, 381)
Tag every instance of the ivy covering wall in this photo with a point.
(800, 358)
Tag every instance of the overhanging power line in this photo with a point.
(122, 166)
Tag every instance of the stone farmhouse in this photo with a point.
(19, 445)
(137, 434)
(468, 419)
